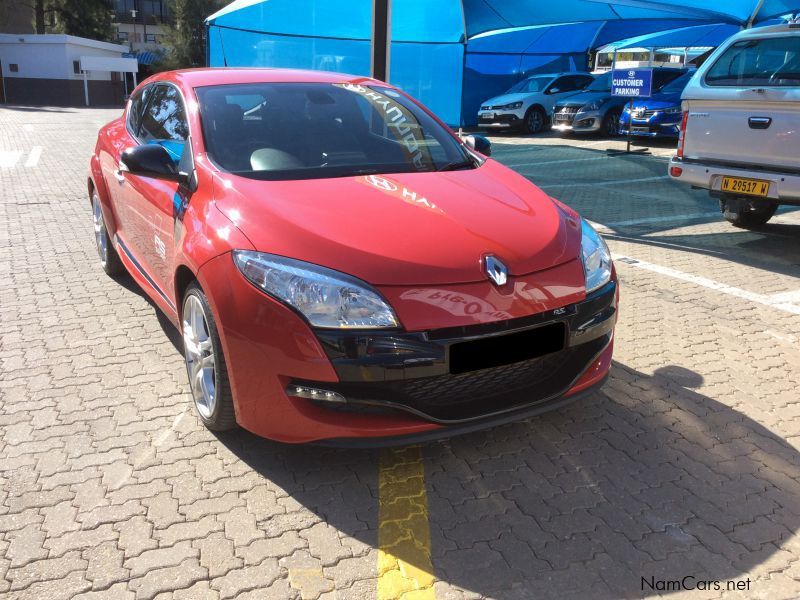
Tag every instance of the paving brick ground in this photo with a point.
(686, 464)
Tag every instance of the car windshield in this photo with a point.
(676, 85)
(530, 85)
(601, 84)
(318, 130)
(773, 61)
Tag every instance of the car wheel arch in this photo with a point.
(183, 277)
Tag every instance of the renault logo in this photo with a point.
(496, 270)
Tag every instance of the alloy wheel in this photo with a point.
(100, 236)
(199, 354)
(535, 121)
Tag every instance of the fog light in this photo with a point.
(676, 171)
(310, 393)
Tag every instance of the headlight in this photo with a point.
(513, 106)
(592, 106)
(326, 298)
(596, 258)
(673, 110)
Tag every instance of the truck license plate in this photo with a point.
(749, 187)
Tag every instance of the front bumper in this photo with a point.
(784, 187)
(653, 127)
(474, 373)
(501, 119)
(580, 122)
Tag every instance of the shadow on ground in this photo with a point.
(646, 479)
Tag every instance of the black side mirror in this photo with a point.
(150, 160)
(479, 144)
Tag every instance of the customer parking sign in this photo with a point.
(632, 83)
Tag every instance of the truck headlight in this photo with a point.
(596, 258)
(326, 298)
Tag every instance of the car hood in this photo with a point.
(583, 98)
(406, 228)
(505, 99)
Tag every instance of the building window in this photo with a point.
(122, 36)
(150, 37)
(13, 67)
(76, 67)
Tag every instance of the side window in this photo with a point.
(138, 102)
(164, 118)
(583, 81)
(563, 84)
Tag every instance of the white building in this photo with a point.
(46, 70)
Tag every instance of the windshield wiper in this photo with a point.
(457, 164)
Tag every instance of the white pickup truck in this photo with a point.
(740, 135)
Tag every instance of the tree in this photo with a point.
(83, 18)
(185, 41)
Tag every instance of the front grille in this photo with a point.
(643, 114)
(461, 397)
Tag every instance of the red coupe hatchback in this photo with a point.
(342, 266)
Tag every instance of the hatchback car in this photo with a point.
(740, 132)
(528, 105)
(596, 110)
(342, 266)
(658, 116)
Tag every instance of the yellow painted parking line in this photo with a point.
(404, 558)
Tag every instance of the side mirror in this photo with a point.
(150, 160)
(554, 90)
(479, 144)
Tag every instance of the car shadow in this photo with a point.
(646, 481)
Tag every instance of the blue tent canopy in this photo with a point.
(452, 54)
(699, 36)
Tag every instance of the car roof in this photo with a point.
(235, 75)
(770, 29)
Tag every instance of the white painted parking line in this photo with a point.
(9, 158)
(775, 302)
(664, 219)
(34, 156)
(613, 182)
(556, 162)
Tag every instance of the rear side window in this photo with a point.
(773, 61)
(164, 118)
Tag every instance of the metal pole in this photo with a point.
(86, 87)
(381, 39)
(630, 124)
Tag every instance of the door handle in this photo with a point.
(119, 173)
(759, 122)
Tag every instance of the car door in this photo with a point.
(154, 202)
(116, 182)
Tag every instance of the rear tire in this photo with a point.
(205, 363)
(109, 259)
(741, 216)
(535, 121)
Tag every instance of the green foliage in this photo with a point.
(185, 41)
(83, 18)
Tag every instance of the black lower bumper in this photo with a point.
(464, 374)
(463, 428)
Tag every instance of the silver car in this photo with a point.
(740, 132)
(528, 105)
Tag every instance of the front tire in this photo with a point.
(205, 363)
(740, 215)
(611, 124)
(535, 121)
(109, 259)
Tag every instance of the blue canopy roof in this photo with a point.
(699, 36)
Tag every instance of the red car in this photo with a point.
(342, 266)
